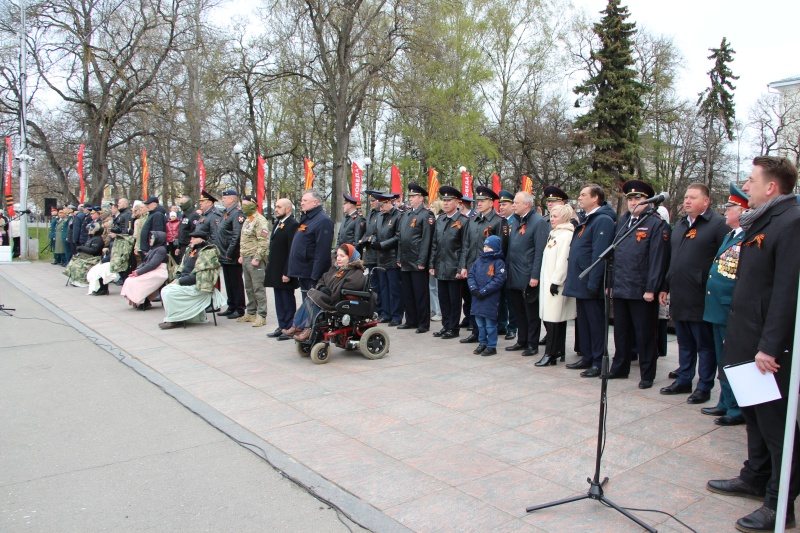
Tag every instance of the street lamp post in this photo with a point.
(367, 164)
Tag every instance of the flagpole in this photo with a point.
(23, 157)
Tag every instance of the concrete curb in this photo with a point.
(356, 509)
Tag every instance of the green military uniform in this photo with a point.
(253, 244)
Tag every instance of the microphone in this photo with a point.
(657, 199)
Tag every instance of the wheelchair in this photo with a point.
(353, 325)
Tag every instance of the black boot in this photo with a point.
(547, 359)
(763, 519)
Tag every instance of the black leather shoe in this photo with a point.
(449, 334)
(543, 341)
(275, 334)
(479, 349)
(467, 340)
(763, 519)
(510, 335)
(227, 312)
(546, 360)
(406, 326)
(439, 333)
(699, 396)
(713, 411)
(422, 330)
(527, 352)
(489, 351)
(617, 376)
(284, 337)
(235, 314)
(677, 388)
(578, 365)
(393, 323)
(590, 373)
(645, 384)
(735, 487)
(673, 374)
(729, 420)
(515, 347)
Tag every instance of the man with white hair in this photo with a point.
(310, 256)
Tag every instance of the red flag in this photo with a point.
(527, 184)
(81, 149)
(308, 172)
(9, 166)
(201, 171)
(397, 184)
(433, 184)
(466, 183)
(496, 187)
(145, 174)
(358, 179)
(260, 184)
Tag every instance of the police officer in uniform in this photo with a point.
(368, 255)
(485, 223)
(719, 294)
(506, 321)
(353, 225)
(229, 232)
(210, 216)
(384, 242)
(640, 263)
(415, 233)
(449, 260)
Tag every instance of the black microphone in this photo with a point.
(657, 199)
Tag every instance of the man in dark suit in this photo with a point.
(527, 237)
(695, 241)
(384, 242)
(310, 256)
(277, 272)
(640, 263)
(592, 235)
(415, 234)
(761, 326)
(719, 292)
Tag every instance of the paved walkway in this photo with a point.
(432, 437)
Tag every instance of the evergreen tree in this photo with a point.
(612, 125)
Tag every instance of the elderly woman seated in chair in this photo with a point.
(193, 290)
(347, 273)
(145, 281)
(86, 257)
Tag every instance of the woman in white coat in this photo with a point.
(555, 308)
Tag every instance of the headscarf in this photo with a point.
(351, 252)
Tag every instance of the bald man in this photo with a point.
(276, 275)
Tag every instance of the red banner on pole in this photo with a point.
(466, 183)
(260, 184)
(433, 184)
(497, 186)
(308, 172)
(82, 182)
(145, 174)
(397, 183)
(9, 169)
(357, 181)
(527, 184)
(201, 171)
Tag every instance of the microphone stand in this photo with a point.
(595, 484)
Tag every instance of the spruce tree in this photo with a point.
(612, 125)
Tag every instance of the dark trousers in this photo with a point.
(306, 284)
(589, 327)
(234, 286)
(390, 295)
(450, 302)
(526, 309)
(556, 338)
(635, 329)
(285, 307)
(375, 287)
(696, 347)
(466, 298)
(505, 318)
(765, 428)
(727, 400)
(69, 251)
(416, 298)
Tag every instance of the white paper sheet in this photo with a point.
(750, 386)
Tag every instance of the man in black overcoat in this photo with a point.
(695, 240)
(415, 233)
(761, 328)
(277, 272)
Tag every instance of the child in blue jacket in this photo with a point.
(486, 279)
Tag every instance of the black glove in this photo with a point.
(554, 289)
(376, 245)
(476, 293)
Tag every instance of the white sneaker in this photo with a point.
(436, 318)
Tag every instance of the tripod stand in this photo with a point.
(595, 484)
